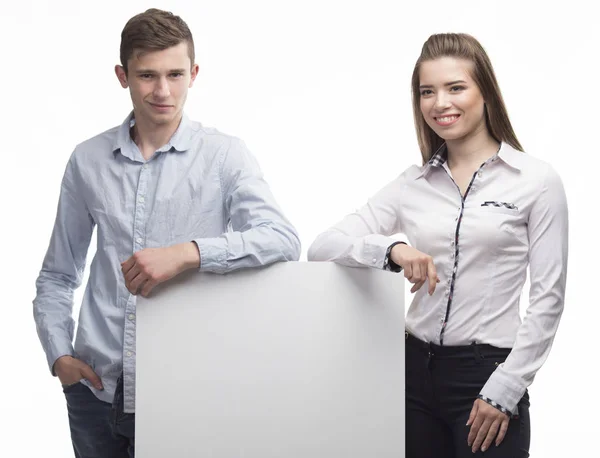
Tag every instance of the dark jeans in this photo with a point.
(442, 383)
(99, 429)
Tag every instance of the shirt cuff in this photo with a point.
(57, 349)
(504, 410)
(503, 392)
(213, 254)
(388, 264)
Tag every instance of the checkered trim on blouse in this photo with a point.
(437, 160)
(388, 264)
(439, 157)
(498, 406)
(493, 203)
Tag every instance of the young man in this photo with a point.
(167, 195)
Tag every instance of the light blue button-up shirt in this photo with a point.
(203, 186)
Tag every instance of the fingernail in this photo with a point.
(483, 449)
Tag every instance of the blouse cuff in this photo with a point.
(388, 264)
(498, 406)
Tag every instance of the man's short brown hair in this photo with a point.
(154, 30)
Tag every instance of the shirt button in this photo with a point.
(132, 317)
(141, 200)
(145, 166)
(128, 353)
(374, 260)
(138, 240)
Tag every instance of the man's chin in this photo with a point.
(163, 118)
(159, 119)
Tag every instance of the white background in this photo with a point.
(320, 92)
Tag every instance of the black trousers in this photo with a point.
(442, 383)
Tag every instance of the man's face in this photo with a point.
(158, 82)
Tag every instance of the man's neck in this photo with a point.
(149, 137)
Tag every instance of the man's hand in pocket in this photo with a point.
(71, 370)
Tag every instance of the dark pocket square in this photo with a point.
(494, 203)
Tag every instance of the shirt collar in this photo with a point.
(179, 142)
(507, 153)
(511, 156)
(438, 159)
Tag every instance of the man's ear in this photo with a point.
(193, 74)
(122, 76)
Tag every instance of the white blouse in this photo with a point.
(514, 213)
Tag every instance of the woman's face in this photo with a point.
(450, 101)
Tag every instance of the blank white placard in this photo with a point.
(294, 360)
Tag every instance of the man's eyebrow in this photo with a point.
(175, 70)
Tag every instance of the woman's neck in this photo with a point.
(471, 150)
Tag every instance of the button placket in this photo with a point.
(439, 160)
(140, 206)
(139, 224)
(449, 292)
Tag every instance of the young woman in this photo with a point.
(476, 214)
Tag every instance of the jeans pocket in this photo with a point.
(71, 387)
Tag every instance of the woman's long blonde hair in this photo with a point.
(462, 46)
